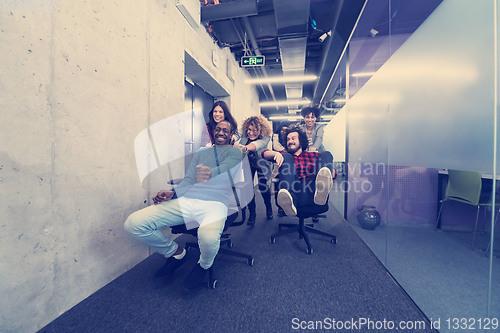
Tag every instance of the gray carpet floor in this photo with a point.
(286, 289)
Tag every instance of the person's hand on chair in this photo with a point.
(163, 196)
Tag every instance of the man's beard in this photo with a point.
(293, 150)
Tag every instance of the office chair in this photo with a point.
(225, 241)
(303, 213)
(465, 187)
(242, 188)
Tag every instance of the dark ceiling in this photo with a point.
(287, 33)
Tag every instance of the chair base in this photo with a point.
(303, 230)
(212, 281)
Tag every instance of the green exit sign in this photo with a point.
(253, 61)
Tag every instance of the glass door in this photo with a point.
(197, 105)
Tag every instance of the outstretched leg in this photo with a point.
(324, 178)
(145, 224)
(212, 216)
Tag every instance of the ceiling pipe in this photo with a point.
(237, 29)
(228, 10)
(255, 48)
(327, 46)
(337, 44)
(343, 51)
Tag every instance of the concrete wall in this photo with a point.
(78, 82)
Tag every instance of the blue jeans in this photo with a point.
(209, 216)
(263, 188)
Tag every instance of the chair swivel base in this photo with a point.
(302, 230)
(228, 251)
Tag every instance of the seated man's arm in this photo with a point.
(273, 156)
(190, 177)
(233, 158)
(163, 196)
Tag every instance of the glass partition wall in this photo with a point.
(422, 99)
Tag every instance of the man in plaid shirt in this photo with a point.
(305, 178)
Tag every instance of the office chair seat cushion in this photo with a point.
(181, 229)
(308, 211)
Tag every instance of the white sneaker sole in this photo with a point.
(285, 201)
(324, 184)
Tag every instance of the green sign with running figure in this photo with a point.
(247, 61)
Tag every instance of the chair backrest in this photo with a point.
(243, 191)
(465, 185)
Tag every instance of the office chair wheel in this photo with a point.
(310, 251)
(212, 284)
(273, 240)
(333, 241)
(251, 262)
(230, 245)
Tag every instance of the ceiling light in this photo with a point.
(363, 74)
(286, 102)
(323, 36)
(289, 118)
(298, 118)
(282, 79)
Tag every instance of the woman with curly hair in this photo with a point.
(256, 134)
(220, 111)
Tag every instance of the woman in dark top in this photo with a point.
(279, 143)
(220, 111)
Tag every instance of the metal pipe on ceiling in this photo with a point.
(243, 43)
(255, 48)
(327, 46)
(343, 51)
(228, 10)
(337, 45)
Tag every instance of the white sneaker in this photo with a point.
(285, 201)
(324, 184)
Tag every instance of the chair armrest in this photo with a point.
(175, 181)
(231, 219)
